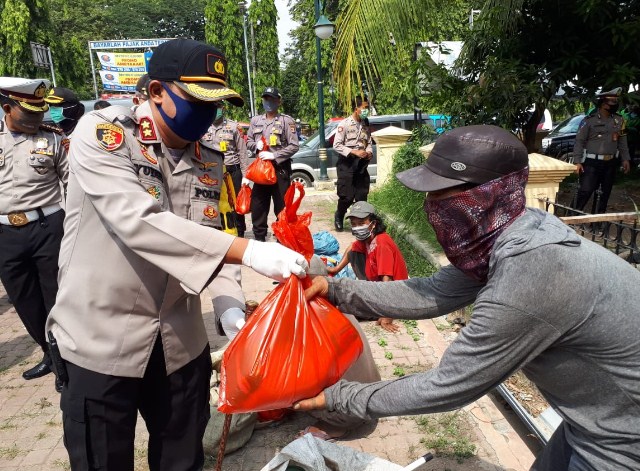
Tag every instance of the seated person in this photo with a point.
(374, 255)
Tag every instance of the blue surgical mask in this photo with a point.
(56, 113)
(269, 106)
(192, 118)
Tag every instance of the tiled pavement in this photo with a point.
(31, 425)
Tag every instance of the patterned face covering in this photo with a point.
(468, 224)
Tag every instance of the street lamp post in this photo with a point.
(243, 10)
(323, 29)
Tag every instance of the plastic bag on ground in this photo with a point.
(290, 349)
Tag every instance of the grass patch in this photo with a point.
(447, 434)
(43, 402)
(398, 371)
(388, 355)
(11, 452)
(62, 464)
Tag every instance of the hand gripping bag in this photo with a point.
(290, 349)
(262, 171)
(243, 201)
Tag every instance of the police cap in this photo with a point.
(197, 68)
(28, 93)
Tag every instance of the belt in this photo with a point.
(21, 218)
(604, 157)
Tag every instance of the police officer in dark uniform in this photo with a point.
(33, 162)
(353, 144)
(279, 132)
(64, 108)
(600, 140)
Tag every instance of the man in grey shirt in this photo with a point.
(559, 307)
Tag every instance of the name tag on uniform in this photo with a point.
(273, 140)
(223, 146)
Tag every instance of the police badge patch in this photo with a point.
(109, 136)
(207, 180)
(210, 212)
(154, 191)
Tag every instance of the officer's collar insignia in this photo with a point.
(147, 155)
(197, 151)
(204, 165)
(207, 180)
(147, 129)
(154, 191)
(210, 212)
(109, 136)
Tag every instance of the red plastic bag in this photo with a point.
(262, 172)
(290, 349)
(243, 201)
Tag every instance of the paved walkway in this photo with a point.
(31, 425)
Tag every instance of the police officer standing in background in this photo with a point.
(143, 237)
(224, 135)
(353, 145)
(279, 131)
(33, 162)
(64, 108)
(600, 139)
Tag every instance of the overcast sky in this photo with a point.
(285, 24)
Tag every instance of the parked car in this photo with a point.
(305, 163)
(560, 141)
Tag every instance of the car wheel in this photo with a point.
(302, 177)
(568, 157)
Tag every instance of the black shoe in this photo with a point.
(58, 385)
(338, 220)
(41, 369)
(240, 233)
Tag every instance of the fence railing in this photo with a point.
(617, 232)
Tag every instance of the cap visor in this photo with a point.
(420, 178)
(53, 100)
(211, 92)
(32, 106)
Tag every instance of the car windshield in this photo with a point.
(312, 141)
(568, 126)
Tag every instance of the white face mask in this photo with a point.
(362, 232)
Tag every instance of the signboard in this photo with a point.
(122, 62)
(123, 81)
(40, 55)
(127, 44)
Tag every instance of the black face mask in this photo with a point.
(613, 108)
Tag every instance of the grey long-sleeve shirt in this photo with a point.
(563, 309)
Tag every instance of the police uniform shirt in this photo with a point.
(139, 237)
(31, 169)
(226, 138)
(601, 136)
(351, 135)
(279, 133)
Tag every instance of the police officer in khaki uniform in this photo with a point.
(600, 140)
(352, 142)
(279, 132)
(225, 136)
(33, 162)
(142, 240)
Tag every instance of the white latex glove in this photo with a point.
(259, 145)
(266, 155)
(274, 260)
(246, 181)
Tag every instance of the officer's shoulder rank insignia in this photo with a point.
(210, 212)
(147, 130)
(147, 155)
(109, 136)
(207, 180)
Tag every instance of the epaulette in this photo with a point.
(51, 128)
(115, 113)
(287, 116)
(208, 145)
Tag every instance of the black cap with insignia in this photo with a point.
(272, 92)
(61, 96)
(197, 68)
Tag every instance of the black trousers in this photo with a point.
(236, 177)
(99, 415)
(261, 197)
(29, 271)
(596, 172)
(353, 182)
